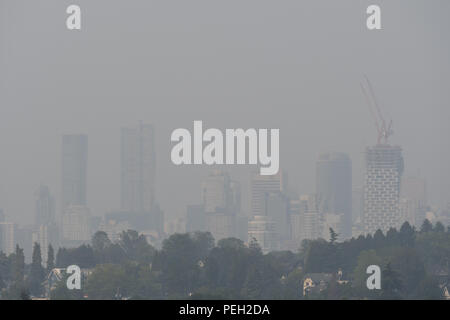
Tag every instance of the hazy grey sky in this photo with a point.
(293, 65)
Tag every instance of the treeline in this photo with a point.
(193, 266)
(18, 280)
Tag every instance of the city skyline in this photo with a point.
(245, 151)
(232, 77)
(280, 218)
(74, 150)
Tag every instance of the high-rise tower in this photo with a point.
(384, 168)
(74, 170)
(138, 169)
(45, 207)
(221, 203)
(261, 187)
(334, 188)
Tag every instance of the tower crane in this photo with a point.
(384, 131)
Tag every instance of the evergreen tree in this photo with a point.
(18, 266)
(17, 289)
(100, 241)
(50, 259)
(378, 239)
(37, 273)
(333, 236)
(426, 226)
(390, 283)
(439, 227)
(392, 236)
(407, 235)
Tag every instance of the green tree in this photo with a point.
(391, 284)
(37, 273)
(135, 246)
(100, 241)
(146, 284)
(439, 227)
(226, 265)
(293, 285)
(407, 235)
(83, 256)
(5, 270)
(181, 260)
(378, 239)
(393, 236)
(61, 292)
(426, 226)
(101, 245)
(365, 259)
(253, 285)
(50, 258)
(434, 249)
(428, 289)
(410, 268)
(106, 282)
(17, 290)
(333, 236)
(321, 256)
(18, 266)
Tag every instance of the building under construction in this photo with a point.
(382, 180)
(384, 168)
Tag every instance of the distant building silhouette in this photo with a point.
(7, 237)
(263, 230)
(277, 210)
(221, 203)
(413, 201)
(45, 206)
(45, 229)
(304, 220)
(76, 225)
(138, 168)
(334, 188)
(261, 186)
(74, 170)
(195, 218)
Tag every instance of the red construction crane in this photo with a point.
(384, 131)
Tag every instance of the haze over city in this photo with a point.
(245, 151)
(290, 65)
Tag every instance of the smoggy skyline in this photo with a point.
(290, 65)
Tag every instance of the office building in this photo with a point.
(263, 230)
(261, 186)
